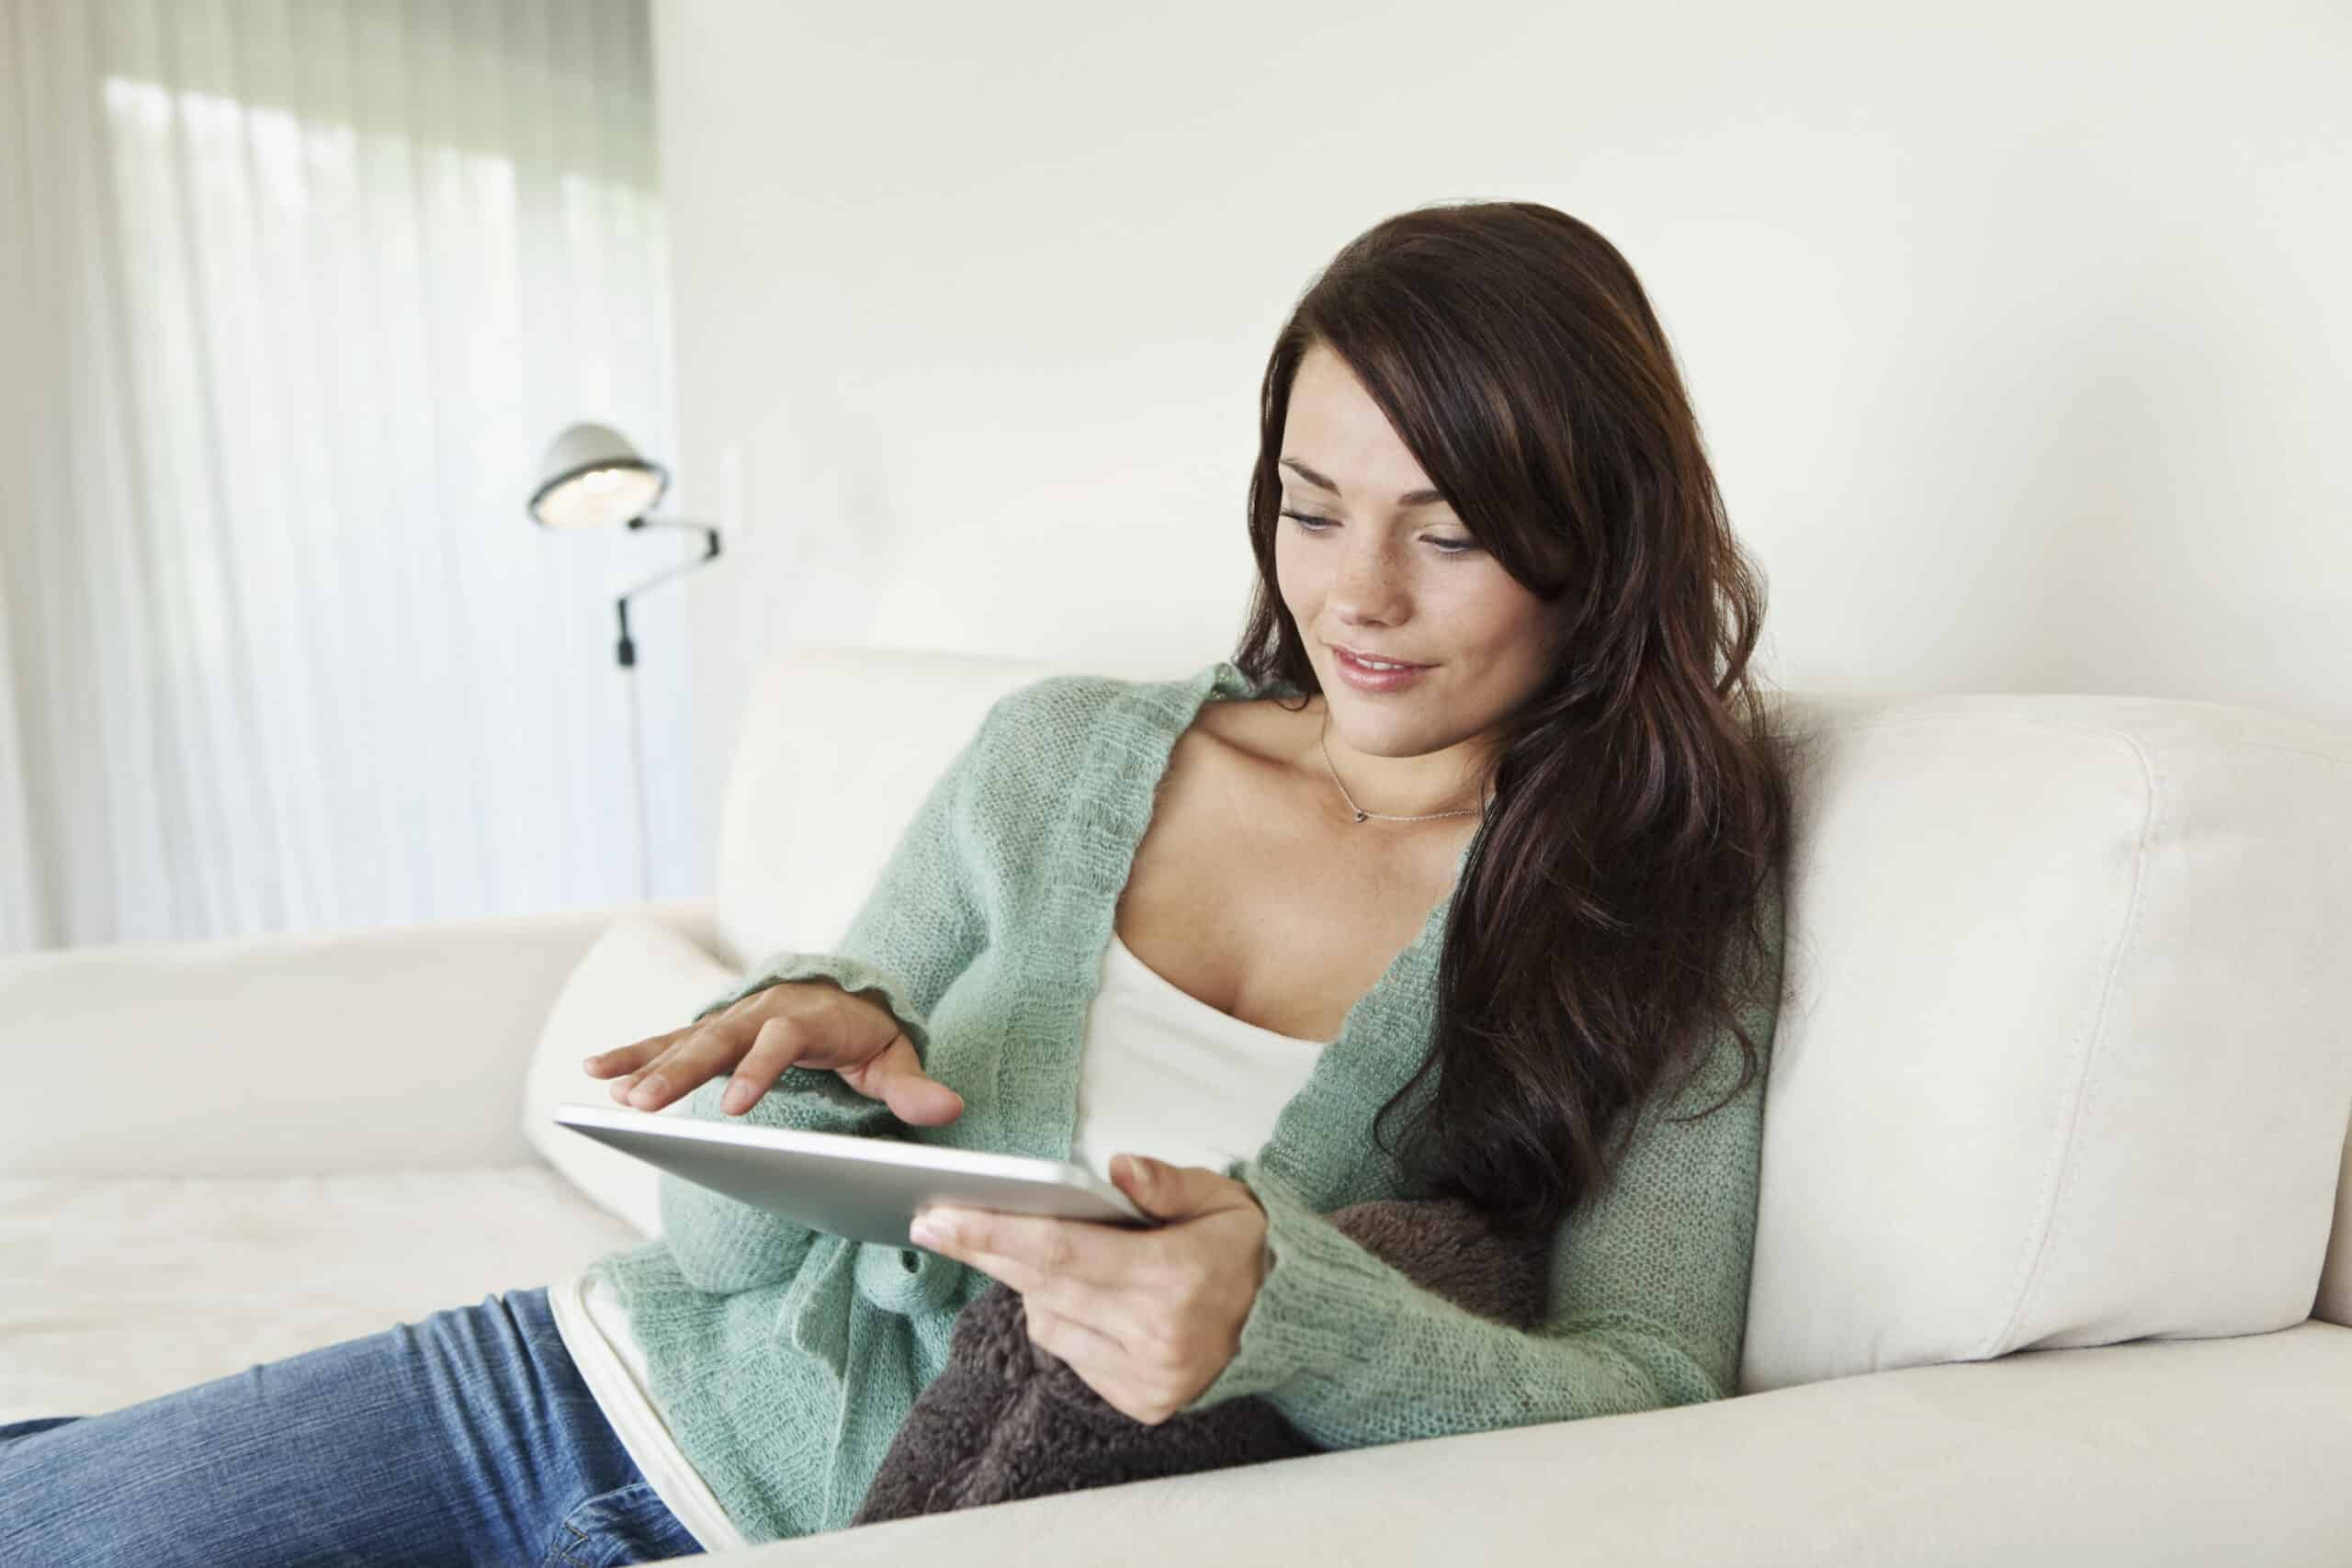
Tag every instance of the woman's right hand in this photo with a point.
(793, 1023)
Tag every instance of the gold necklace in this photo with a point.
(1360, 811)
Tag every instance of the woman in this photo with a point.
(1481, 830)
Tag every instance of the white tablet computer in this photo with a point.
(865, 1189)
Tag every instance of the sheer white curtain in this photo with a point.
(294, 294)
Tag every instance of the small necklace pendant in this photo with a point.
(1360, 816)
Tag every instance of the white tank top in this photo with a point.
(1162, 1073)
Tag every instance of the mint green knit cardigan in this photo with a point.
(786, 1360)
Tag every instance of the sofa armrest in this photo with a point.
(380, 1048)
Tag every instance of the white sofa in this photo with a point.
(2053, 1259)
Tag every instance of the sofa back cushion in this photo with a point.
(835, 751)
(2063, 1058)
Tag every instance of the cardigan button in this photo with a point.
(904, 1280)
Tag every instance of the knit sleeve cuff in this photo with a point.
(849, 972)
(1324, 1307)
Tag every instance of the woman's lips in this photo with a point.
(1363, 678)
(1351, 653)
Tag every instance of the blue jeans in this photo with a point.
(466, 1438)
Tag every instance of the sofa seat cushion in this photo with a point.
(2177, 1453)
(120, 1289)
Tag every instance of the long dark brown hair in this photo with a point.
(1619, 906)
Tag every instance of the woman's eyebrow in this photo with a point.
(1410, 497)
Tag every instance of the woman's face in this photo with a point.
(1387, 576)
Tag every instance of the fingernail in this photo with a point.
(647, 1090)
(737, 1097)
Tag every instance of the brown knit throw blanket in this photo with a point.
(1006, 1419)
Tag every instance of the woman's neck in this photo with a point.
(1449, 785)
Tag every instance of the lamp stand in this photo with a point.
(625, 651)
(637, 755)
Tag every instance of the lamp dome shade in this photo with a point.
(591, 477)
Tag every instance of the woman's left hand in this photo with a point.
(1148, 1318)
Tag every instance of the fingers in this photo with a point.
(630, 1058)
(775, 1048)
(1089, 1271)
(669, 1065)
(895, 1077)
(698, 1054)
(653, 1072)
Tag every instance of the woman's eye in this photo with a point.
(1315, 526)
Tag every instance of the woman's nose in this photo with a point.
(1367, 584)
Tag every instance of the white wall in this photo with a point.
(2018, 340)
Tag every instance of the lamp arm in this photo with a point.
(627, 649)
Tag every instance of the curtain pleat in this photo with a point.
(298, 292)
(22, 894)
